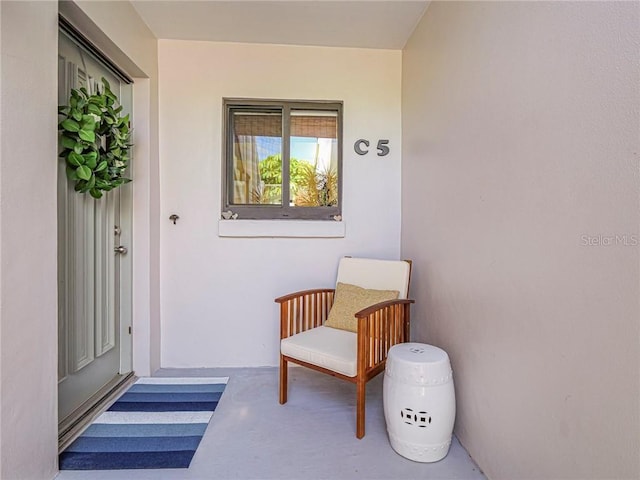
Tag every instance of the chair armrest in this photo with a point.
(381, 326)
(304, 310)
(365, 312)
(302, 293)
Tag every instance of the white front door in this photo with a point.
(94, 279)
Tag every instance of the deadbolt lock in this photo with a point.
(120, 249)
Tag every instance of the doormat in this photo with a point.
(156, 423)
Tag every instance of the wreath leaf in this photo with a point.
(83, 172)
(71, 174)
(90, 160)
(87, 135)
(67, 142)
(94, 109)
(75, 159)
(70, 125)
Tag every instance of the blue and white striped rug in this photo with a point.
(156, 423)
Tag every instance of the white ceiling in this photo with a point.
(365, 24)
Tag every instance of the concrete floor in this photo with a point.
(251, 436)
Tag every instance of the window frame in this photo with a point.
(284, 211)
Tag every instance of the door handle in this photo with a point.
(120, 249)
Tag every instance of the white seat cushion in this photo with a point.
(326, 347)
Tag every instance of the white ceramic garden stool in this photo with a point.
(419, 401)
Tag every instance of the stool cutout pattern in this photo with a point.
(420, 419)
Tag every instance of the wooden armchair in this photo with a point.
(356, 356)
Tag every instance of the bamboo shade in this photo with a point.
(270, 125)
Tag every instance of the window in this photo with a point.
(283, 160)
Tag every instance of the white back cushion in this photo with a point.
(375, 274)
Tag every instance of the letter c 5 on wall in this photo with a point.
(382, 147)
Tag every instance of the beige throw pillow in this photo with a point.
(349, 300)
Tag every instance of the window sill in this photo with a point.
(281, 228)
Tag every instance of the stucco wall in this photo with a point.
(28, 255)
(217, 293)
(520, 168)
(28, 220)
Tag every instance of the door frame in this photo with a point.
(145, 188)
(75, 422)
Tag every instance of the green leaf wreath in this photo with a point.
(95, 140)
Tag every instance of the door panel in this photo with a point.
(79, 255)
(89, 342)
(105, 275)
